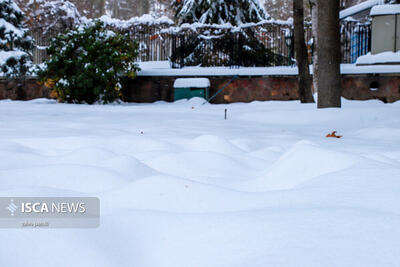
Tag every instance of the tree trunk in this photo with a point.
(305, 91)
(314, 17)
(143, 7)
(328, 52)
(115, 9)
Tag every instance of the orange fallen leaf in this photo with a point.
(333, 135)
(153, 37)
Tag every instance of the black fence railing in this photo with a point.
(355, 41)
(258, 45)
(210, 45)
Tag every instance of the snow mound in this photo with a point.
(172, 194)
(194, 101)
(87, 155)
(197, 164)
(17, 160)
(84, 179)
(379, 133)
(267, 153)
(138, 143)
(128, 167)
(42, 101)
(15, 147)
(213, 143)
(287, 173)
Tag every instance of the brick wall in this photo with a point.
(247, 89)
(10, 89)
(244, 89)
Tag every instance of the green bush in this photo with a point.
(88, 64)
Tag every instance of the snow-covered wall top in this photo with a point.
(359, 8)
(385, 10)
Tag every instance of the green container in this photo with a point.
(189, 92)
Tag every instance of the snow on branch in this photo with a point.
(134, 21)
(227, 26)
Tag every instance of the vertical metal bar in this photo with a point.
(395, 32)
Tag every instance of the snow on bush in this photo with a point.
(15, 44)
(88, 64)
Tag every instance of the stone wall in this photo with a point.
(10, 89)
(244, 89)
(247, 89)
(364, 87)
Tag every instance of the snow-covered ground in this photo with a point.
(180, 186)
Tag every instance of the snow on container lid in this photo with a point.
(192, 83)
(385, 10)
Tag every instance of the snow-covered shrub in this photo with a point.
(235, 12)
(88, 64)
(15, 44)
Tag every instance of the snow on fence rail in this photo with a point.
(160, 40)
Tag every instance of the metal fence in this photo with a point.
(42, 41)
(226, 46)
(163, 42)
(355, 41)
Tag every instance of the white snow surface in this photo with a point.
(385, 10)
(192, 83)
(181, 186)
(381, 58)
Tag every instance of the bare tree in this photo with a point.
(143, 7)
(328, 53)
(314, 20)
(305, 91)
(281, 9)
(126, 9)
(160, 8)
(90, 8)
